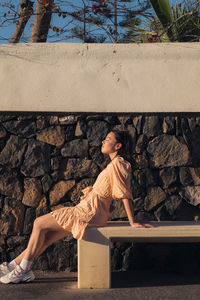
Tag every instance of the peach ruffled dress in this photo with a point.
(112, 183)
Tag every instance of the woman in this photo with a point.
(93, 210)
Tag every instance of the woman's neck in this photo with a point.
(113, 155)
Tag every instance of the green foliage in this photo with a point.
(120, 21)
(187, 23)
(164, 14)
(132, 33)
(163, 11)
(180, 23)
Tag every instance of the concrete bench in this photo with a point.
(94, 249)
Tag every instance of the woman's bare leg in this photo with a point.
(50, 238)
(40, 238)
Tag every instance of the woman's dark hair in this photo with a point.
(125, 139)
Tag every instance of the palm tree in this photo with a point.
(180, 23)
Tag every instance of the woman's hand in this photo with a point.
(129, 211)
(140, 225)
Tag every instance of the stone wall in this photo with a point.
(47, 159)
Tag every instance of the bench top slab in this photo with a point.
(163, 230)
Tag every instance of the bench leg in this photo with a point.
(94, 263)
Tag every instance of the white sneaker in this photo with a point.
(5, 268)
(18, 275)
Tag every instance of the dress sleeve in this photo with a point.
(120, 178)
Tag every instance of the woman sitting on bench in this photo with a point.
(93, 210)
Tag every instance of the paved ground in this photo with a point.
(125, 285)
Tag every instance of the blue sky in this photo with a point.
(7, 30)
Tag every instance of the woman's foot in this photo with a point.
(18, 275)
(5, 268)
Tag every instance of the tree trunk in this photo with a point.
(26, 10)
(42, 21)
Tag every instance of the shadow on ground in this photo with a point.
(124, 279)
(149, 279)
(140, 285)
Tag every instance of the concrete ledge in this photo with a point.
(94, 249)
(163, 231)
(68, 77)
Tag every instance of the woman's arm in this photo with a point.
(129, 210)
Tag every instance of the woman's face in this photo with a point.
(109, 144)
